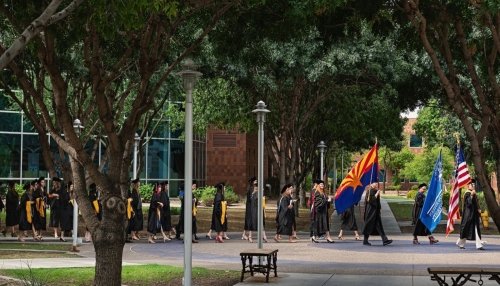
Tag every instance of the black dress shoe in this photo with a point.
(481, 248)
(314, 240)
(366, 243)
(387, 242)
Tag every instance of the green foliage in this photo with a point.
(19, 189)
(414, 187)
(437, 125)
(446, 200)
(421, 167)
(411, 194)
(146, 191)
(207, 194)
(230, 196)
(482, 201)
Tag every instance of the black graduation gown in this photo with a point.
(284, 216)
(470, 218)
(24, 215)
(166, 219)
(180, 225)
(66, 210)
(420, 228)
(254, 205)
(39, 212)
(217, 214)
(154, 220)
(373, 220)
(348, 219)
(321, 223)
(248, 209)
(55, 209)
(136, 222)
(12, 208)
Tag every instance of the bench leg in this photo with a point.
(275, 258)
(250, 259)
(268, 268)
(496, 278)
(466, 277)
(439, 280)
(243, 262)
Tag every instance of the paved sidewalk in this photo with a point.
(345, 262)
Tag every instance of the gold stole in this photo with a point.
(28, 212)
(264, 205)
(130, 211)
(40, 206)
(195, 208)
(224, 209)
(95, 203)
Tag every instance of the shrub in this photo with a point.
(414, 187)
(482, 201)
(19, 189)
(230, 196)
(411, 194)
(146, 191)
(206, 195)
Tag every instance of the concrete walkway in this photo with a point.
(345, 262)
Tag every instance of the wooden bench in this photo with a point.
(464, 274)
(270, 255)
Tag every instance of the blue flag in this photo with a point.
(431, 212)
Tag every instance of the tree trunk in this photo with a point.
(109, 240)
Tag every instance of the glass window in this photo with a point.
(10, 122)
(33, 164)
(176, 166)
(10, 145)
(158, 159)
(415, 141)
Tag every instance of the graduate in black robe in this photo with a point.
(136, 221)
(57, 206)
(254, 208)
(93, 196)
(321, 205)
(180, 225)
(166, 219)
(66, 205)
(40, 213)
(11, 208)
(155, 213)
(471, 219)
(26, 210)
(219, 213)
(252, 183)
(285, 214)
(420, 228)
(348, 222)
(373, 219)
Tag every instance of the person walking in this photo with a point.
(26, 210)
(254, 209)
(180, 226)
(219, 213)
(11, 209)
(40, 213)
(136, 222)
(285, 215)
(56, 207)
(155, 213)
(312, 213)
(321, 205)
(469, 227)
(373, 219)
(420, 228)
(252, 184)
(348, 222)
(93, 196)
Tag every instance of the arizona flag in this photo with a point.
(352, 187)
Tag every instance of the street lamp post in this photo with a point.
(189, 77)
(261, 112)
(77, 125)
(136, 145)
(321, 146)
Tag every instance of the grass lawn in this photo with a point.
(402, 210)
(151, 274)
(34, 246)
(34, 250)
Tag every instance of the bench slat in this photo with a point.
(462, 270)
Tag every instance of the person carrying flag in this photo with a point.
(373, 219)
(420, 228)
(469, 227)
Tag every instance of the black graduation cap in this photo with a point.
(41, 179)
(472, 181)
(422, 185)
(318, 181)
(56, 179)
(135, 181)
(252, 179)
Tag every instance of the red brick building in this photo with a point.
(232, 158)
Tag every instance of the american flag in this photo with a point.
(462, 178)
